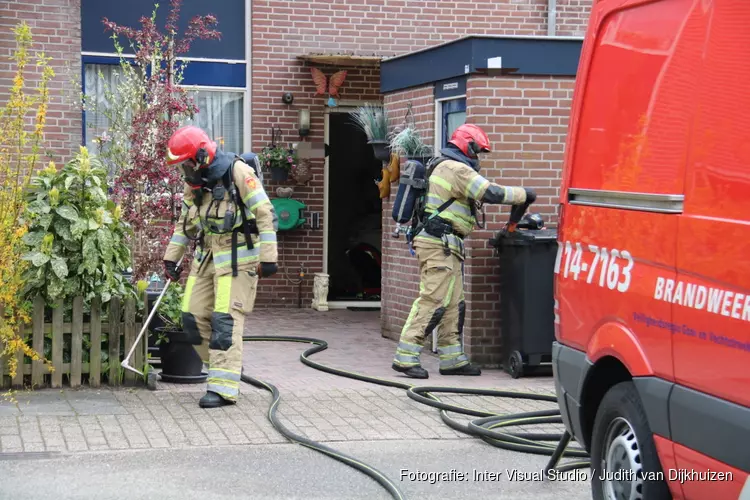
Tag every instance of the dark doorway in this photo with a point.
(354, 213)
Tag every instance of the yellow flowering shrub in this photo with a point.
(20, 153)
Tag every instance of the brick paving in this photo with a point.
(318, 405)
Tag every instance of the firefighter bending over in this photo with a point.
(227, 212)
(454, 187)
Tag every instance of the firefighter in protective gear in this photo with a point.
(439, 246)
(228, 214)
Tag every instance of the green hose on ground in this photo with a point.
(483, 427)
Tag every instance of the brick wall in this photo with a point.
(572, 17)
(55, 29)
(285, 29)
(526, 119)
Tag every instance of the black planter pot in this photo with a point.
(381, 149)
(180, 362)
(279, 174)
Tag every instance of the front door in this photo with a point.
(354, 213)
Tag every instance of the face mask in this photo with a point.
(474, 163)
(190, 172)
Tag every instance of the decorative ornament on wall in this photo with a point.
(323, 85)
(303, 172)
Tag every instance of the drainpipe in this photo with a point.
(551, 17)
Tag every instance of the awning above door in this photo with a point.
(342, 60)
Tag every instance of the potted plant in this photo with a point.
(180, 362)
(279, 161)
(408, 143)
(373, 121)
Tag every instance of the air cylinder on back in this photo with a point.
(412, 185)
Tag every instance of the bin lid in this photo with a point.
(523, 237)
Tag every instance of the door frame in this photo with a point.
(344, 106)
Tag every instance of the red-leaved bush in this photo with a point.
(148, 190)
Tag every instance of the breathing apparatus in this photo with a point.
(216, 180)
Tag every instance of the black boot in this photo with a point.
(412, 371)
(213, 400)
(469, 369)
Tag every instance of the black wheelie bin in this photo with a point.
(527, 262)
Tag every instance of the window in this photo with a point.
(96, 90)
(633, 124)
(453, 116)
(449, 115)
(220, 111)
(220, 114)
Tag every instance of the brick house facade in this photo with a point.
(282, 31)
(260, 57)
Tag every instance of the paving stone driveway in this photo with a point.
(318, 405)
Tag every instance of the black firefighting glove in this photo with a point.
(171, 270)
(517, 211)
(266, 269)
(530, 196)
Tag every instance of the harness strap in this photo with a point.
(234, 253)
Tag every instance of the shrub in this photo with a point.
(76, 239)
(19, 157)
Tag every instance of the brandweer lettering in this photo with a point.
(714, 300)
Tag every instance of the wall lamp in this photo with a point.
(303, 122)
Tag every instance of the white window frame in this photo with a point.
(217, 88)
(437, 142)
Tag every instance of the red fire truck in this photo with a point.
(652, 285)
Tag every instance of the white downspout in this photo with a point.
(248, 111)
(551, 17)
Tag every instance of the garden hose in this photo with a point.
(483, 427)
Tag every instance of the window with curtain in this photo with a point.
(454, 115)
(220, 112)
(100, 80)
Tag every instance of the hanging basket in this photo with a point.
(279, 174)
(381, 149)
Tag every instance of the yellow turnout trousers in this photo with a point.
(440, 303)
(214, 307)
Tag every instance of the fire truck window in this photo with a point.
(634, 124)
(718, 180)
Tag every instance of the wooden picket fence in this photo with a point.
(121, 334)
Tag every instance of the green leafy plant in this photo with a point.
(76, 239)
(373, 121)
(278, 157)
(170, 307)
(408, 142)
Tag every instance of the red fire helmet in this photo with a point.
(190, 143)
(471, 140)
